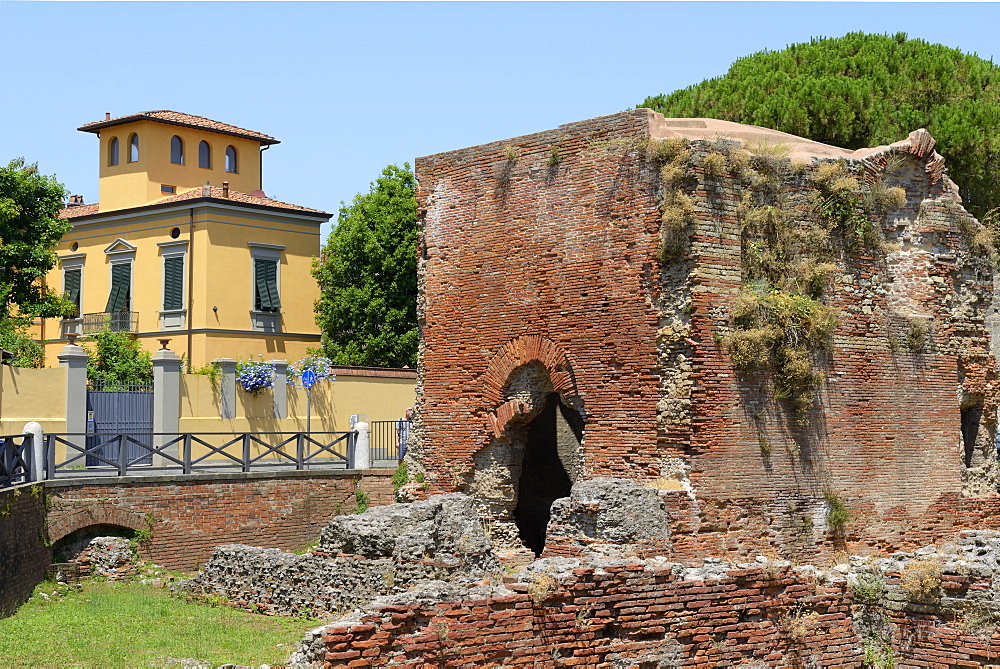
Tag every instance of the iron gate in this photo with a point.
(120, 410)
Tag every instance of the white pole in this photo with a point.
(362, 455)
(37, 450)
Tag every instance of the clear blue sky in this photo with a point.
(351, 87)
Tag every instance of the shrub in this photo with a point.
(798, 626)
(540, 587)
(666, 150)
(916, 334)
(554, 157)
(362, 500)
(399, 478)
(837, 513)
(714, 163)
(776, 331)
(118, 360)
(921, 580)
(14, 337)
(868, 587)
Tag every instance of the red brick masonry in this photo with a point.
(643, 615)
(190, 516)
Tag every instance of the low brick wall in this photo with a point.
(23, 553)
(190, 515)
(629, 614)
(655, 613)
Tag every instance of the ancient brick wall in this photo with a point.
(24, 554)
(190, 516)
(654, 613)
(537, 251)
(885, 434)
(542, 271)
(636, 615)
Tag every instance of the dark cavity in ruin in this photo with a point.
(970, 429)
(552, 439)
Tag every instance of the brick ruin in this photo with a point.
(771, 331)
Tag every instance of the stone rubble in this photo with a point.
(384, 551)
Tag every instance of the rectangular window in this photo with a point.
(173, 283)
(265, 273)
(164, 188)
(71, 284)
(120, 296)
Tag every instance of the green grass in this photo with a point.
(132, 625)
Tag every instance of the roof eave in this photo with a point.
(196, 201)
(97, 126)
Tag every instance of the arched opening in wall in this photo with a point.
(551, 440)
(97, 549)
(971, 416)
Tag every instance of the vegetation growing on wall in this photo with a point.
(865, 90)
(777, 331)
(796, 224)
(672, 157)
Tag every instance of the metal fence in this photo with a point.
(116, 321)
(14, 449)
(388, 439)
(89, 454)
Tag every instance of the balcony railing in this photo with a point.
(116, 321)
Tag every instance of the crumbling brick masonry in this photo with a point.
(789, 336)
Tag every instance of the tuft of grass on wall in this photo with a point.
(777, 331)
(837, 513)
(672, 157)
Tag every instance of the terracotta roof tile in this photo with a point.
(237, 197)
(78, 210)
(178, 118)
(194, 193)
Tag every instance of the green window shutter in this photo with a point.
(266, 284)
(121, 278)
(173, 283)
(71, 279)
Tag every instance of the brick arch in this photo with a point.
(918, 143)
(515, 353)
(65, 521)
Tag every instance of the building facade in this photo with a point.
(185, 245)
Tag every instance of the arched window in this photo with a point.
(176, 150)
(113, 151)
(204, 155)
(133, 148)
(231, 159)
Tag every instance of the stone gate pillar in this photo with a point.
(166, 402)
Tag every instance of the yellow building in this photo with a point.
(185, 245)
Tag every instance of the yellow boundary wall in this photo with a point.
(32, 395)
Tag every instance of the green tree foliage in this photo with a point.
(865, 90)
(367, 273)
(30, 228)
(14, 337)
(118, 360)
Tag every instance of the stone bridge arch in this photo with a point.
(536, 422)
